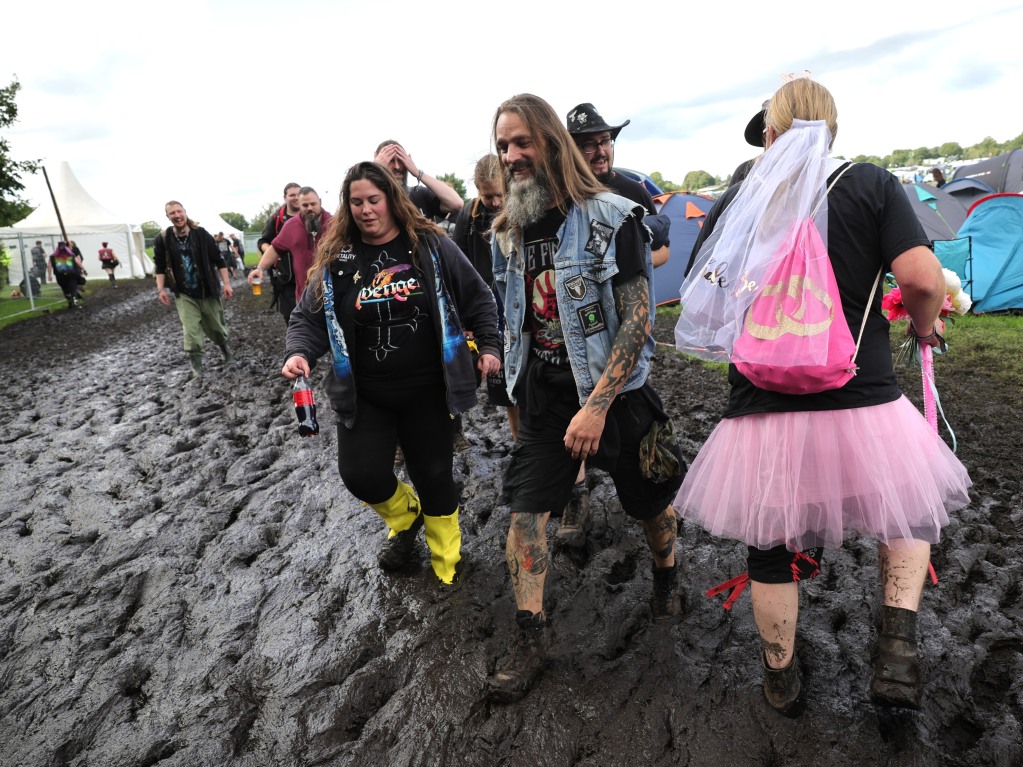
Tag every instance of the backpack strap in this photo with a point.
(877, 280)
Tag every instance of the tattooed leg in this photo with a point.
(903, 571)
(775, 610)
(661, 533)
(526, 552)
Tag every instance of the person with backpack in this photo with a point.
(67, 269)
(788, 259)
(282, 273)
(108, 261)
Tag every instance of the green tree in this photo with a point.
(12, 207)
(664, 184)
(150, 229)
(455, 183)
(950, 150)
(237, 220)
(258, 221)
(697, 179)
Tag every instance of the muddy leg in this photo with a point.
(527, 556)
(661, 533)
(903, 571)
(775, 610)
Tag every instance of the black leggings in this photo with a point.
(418, 421)
(780, 565)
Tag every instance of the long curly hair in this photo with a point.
(560, 159)
(342, 231)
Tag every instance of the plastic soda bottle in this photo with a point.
(305, 407)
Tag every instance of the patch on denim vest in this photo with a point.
(576, 287)
(600, 238)
(591, 317)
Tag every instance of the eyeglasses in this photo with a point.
(590, 147)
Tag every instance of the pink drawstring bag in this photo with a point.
(795, 339)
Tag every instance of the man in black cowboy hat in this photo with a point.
(596, 140)
(754, 137)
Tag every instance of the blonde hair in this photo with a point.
(488, 171)
(801, 99)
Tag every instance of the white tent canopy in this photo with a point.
(86, 222)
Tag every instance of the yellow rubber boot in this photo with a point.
(400, 511)
(444, 537)
(402, 515)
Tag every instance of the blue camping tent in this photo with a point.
(995, 225)
(641, 178)
(967, 190)
(687, 212)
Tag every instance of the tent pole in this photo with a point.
(56, 208)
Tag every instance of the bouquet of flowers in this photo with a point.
(957, 302)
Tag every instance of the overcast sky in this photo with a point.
(219, 103)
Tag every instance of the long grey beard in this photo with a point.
(527, 201)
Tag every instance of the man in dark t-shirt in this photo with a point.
(433, 197)
(572, 263)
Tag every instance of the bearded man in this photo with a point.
(572, 262)
(299, 236)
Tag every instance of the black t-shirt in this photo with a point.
(395, 339)
(192, 286)
(427, 202)
(870, 224)
(470, 236)
(540, 243)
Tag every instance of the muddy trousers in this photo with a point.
(201, 316)
(417, 419)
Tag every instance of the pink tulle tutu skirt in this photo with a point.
(814, 478)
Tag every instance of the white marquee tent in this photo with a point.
(86, 222)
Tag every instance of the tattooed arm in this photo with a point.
(632, 300)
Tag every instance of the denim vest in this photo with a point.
(584, 267)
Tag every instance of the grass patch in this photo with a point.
(992, 343)
(14, 310)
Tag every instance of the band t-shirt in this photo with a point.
(540, 243)
(395, 339)
(191, 287)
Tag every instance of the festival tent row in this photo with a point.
(86, 222)
(1003, 173)
(687, 213)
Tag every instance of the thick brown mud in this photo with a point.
(184, 581)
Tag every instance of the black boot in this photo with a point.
(666, 602)
(525, 658)
(400, 551)
(896, 679)
(782, 686)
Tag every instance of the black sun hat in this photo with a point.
(755, 127)
(585, 118)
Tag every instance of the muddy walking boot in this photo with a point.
(896, 679)
(228, 356)
(196, 362)
(666, 602)
(402, 514)
(574, 519)
(523, 661)
(444, 537)
(782, 686)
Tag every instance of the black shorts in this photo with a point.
(780, 565)
(542, 472)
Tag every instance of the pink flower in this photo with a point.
(892, 304)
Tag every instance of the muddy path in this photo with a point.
(184, 581)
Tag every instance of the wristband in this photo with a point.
(419, 178)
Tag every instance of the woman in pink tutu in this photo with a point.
(791, 474)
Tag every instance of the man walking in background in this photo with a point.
(433, 197)
(187, 261)
(298, 237)
(282, 276)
